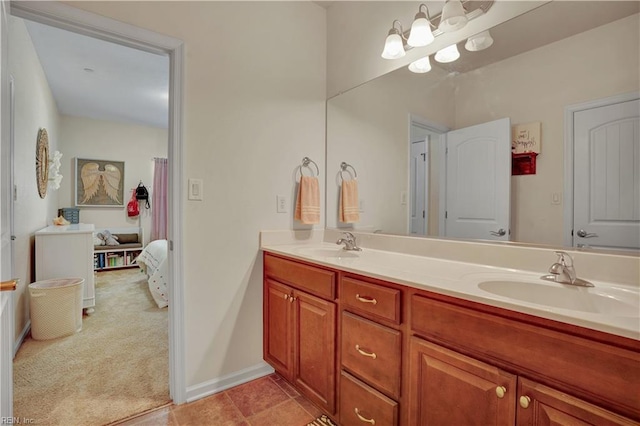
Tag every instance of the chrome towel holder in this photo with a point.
(305, 163)
(344, 168)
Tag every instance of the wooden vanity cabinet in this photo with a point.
(300, 327)
(447, 388)
(371, 342)
(396, 355)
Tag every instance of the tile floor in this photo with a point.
(268, 401)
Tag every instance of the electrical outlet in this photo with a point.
(361, 206)
(556, 198)
(281, 201)
(403, 198)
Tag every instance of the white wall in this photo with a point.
(35, 108)
(537, 86)
(356, 31)
(254, 107)
(136, 145)
(368, 127)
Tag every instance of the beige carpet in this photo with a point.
(115, 367)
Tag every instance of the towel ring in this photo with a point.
(305, 163)
(344, 168)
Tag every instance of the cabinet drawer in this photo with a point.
(313, 280)
(372, 352)
(361, 405)
(372, 300)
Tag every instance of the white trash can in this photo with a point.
(56, 307)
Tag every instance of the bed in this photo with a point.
(153, 262)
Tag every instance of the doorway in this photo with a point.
(72, 19)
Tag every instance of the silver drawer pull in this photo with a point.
(365, 353)
(364, 419)
(366, 299)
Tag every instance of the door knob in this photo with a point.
(499, 233)
(584, 234)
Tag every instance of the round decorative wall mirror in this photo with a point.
(42, 162)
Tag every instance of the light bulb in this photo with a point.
(420, 66)
(393, 46)
(479, 42)
(448, 54)
(420, 34)
(453, 17)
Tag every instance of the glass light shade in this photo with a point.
(479, 42)
(393, 47)
(420, 66)
(453, 17)
(420, 34)
(448, 54)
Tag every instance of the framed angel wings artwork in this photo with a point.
(99, 183)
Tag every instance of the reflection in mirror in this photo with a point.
(588, 51)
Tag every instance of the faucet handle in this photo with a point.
(563, 257)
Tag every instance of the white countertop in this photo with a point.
(616, 310)
(77, 228)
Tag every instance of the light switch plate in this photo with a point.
(195, 189)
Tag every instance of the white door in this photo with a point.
(479, 181)
(418, 186)
(6, 300)
(606, 209)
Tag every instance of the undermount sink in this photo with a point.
(607, 301)
(333, 253)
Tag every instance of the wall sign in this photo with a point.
(525, 138)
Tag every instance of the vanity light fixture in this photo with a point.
(421, 34)
(453, 17)
(448, 54)
(479, 41)
(420, 66)
(393, 45)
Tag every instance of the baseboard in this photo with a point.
(225, 382)
(21, 338)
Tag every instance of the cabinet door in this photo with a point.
(540, 405)
(447, 388)
(278, 327)
(315, 350)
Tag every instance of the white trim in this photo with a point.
(442, 141)
(70, 18)
(569, 112)
(21, 337)
(220, 384)
(442, 199)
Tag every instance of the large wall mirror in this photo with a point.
(395, 130)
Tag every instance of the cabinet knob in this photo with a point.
(365, 353)
(364, 419)
(525, 401)
(500, 391)
(292, 299)
(366, 299)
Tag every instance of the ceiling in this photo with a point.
(97, 79)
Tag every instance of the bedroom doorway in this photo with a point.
(68, 18)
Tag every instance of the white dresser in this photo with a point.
(66, 252)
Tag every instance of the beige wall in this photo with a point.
(254, 106)
(136, 145)
(356, 31)
(537, 86)
(35, 108)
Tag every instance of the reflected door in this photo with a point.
(479, 181)
(418, 177)
(607, 176)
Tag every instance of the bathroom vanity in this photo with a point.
(370, 339)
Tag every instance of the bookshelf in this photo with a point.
(115, 259)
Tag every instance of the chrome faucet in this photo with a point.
(563, 272)
(349, 241)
